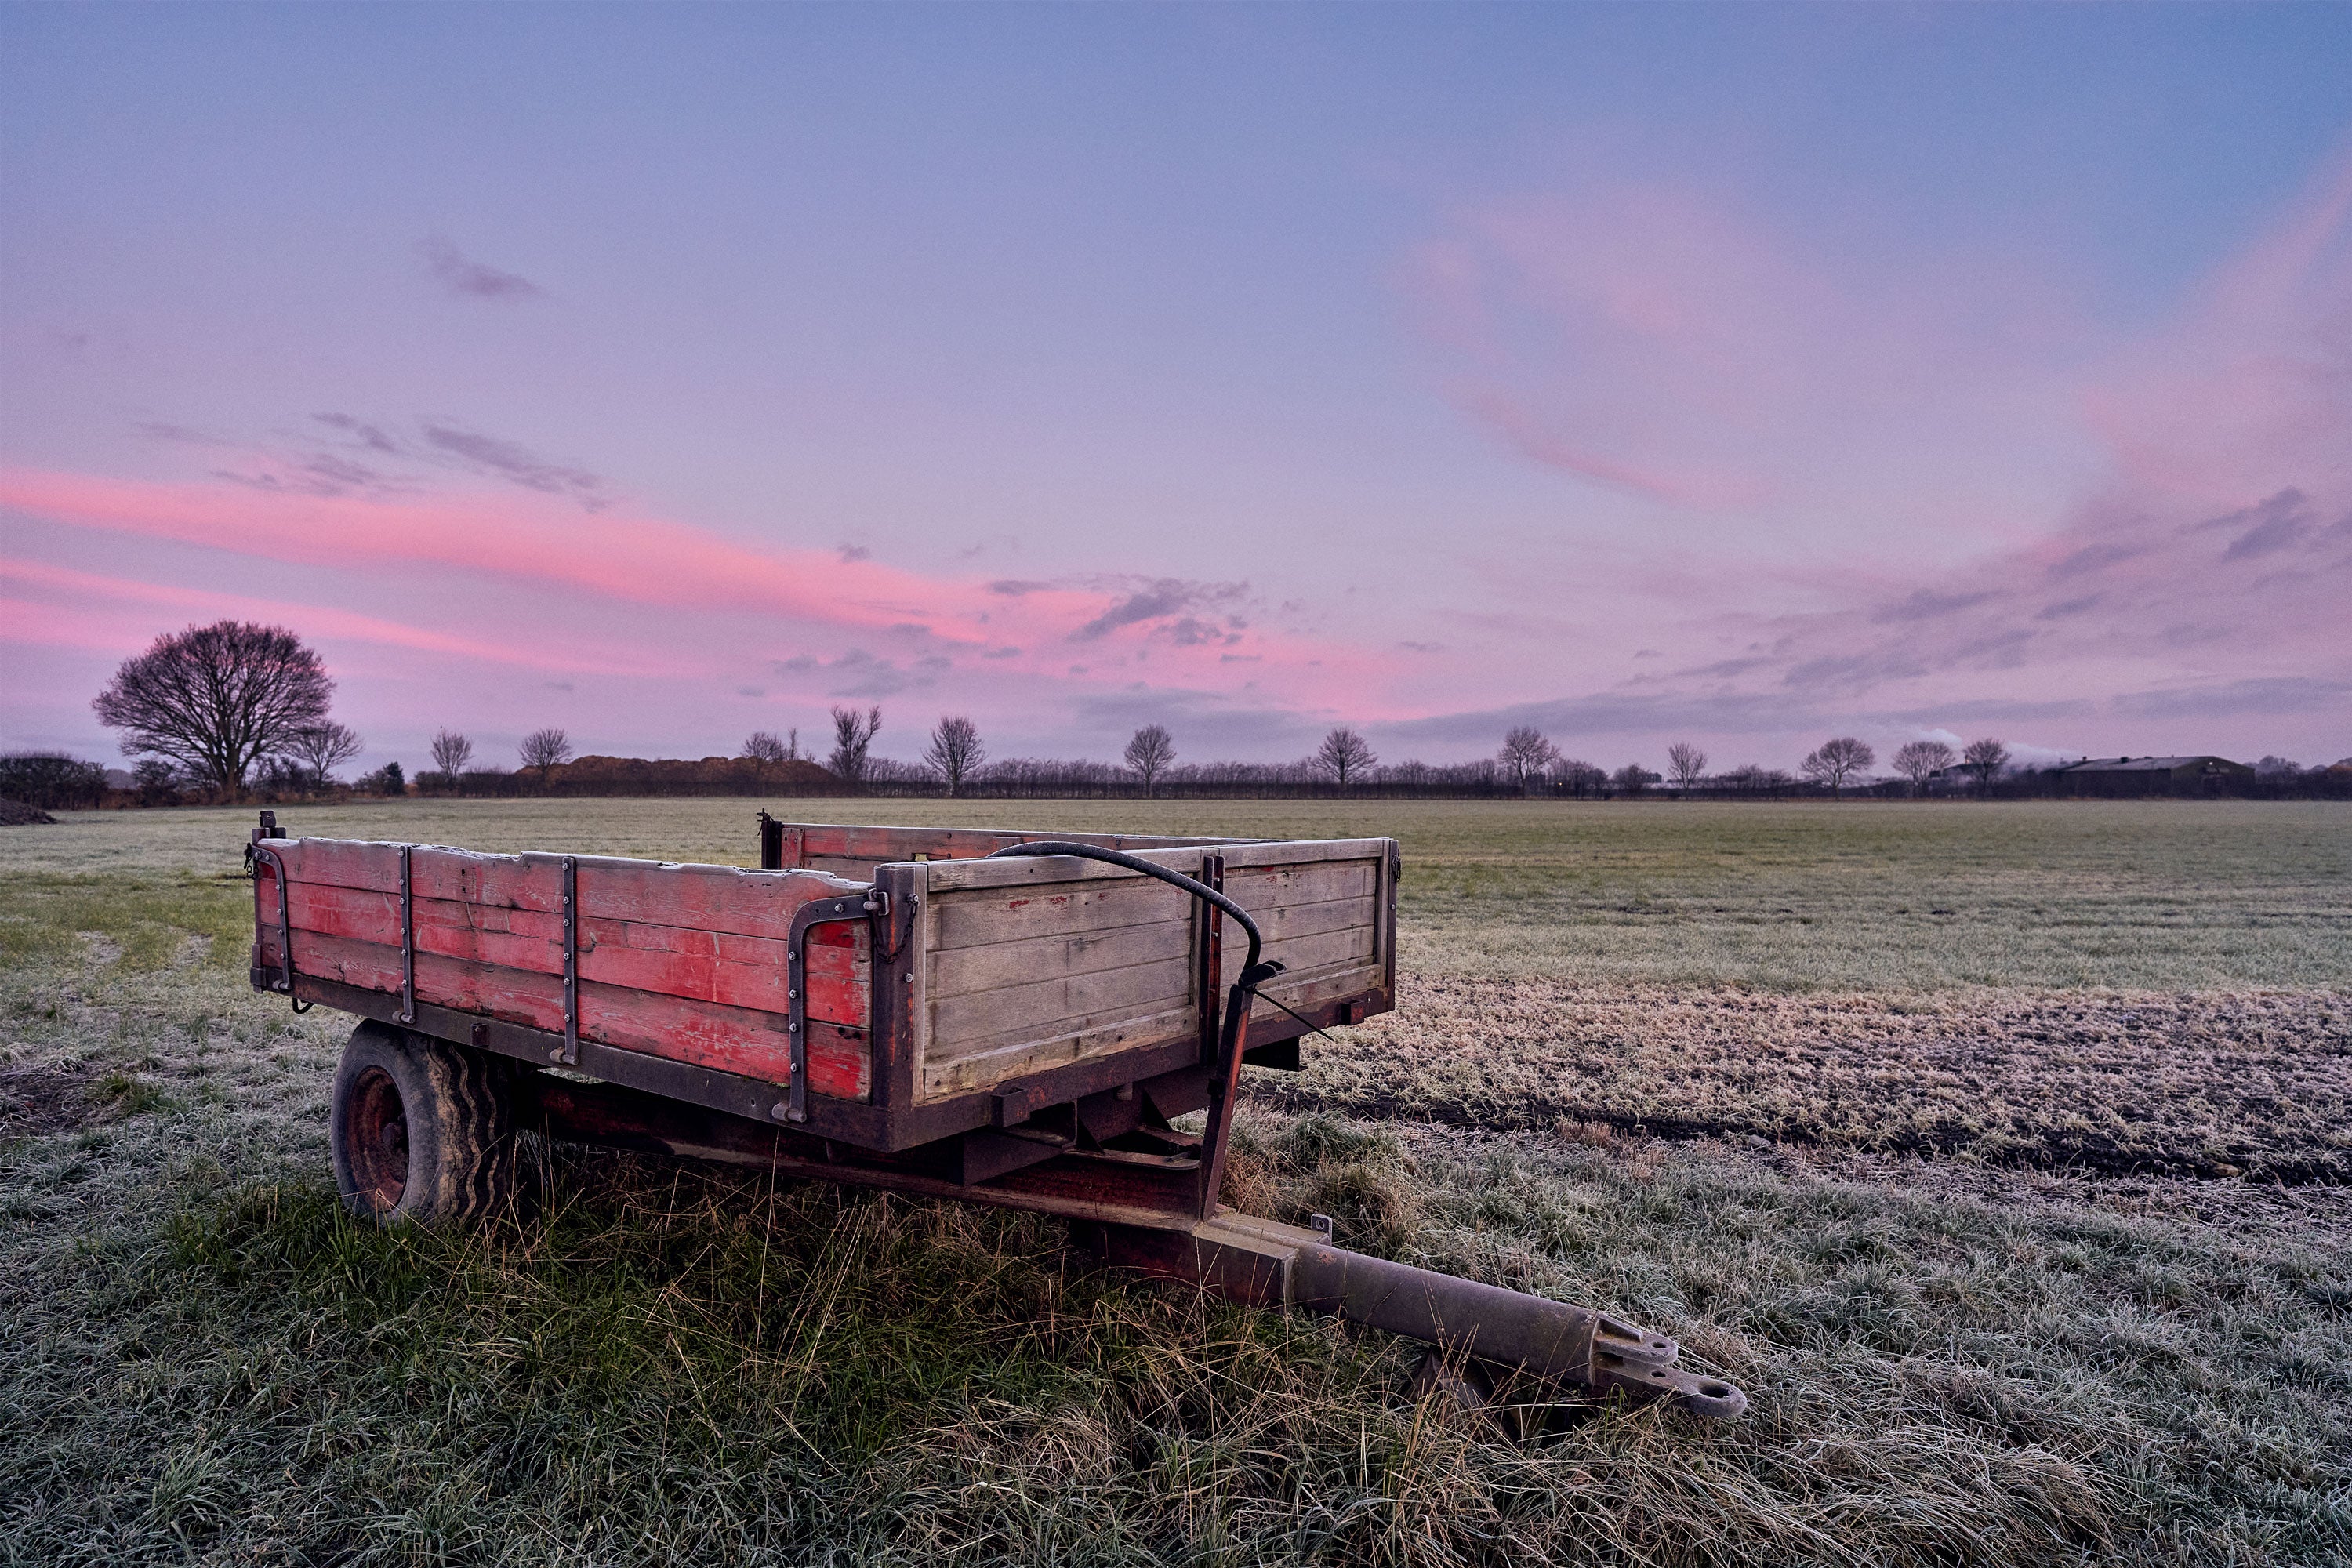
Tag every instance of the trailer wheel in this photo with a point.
(422, 1130)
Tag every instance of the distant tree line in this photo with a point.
(232, 710)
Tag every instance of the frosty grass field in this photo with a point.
(2000, 1152)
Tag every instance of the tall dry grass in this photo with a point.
(1953, 1361)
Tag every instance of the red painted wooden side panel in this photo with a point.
(878, 845)
(707, 966)
(681, 961)
(697, 898)
(727, 1039)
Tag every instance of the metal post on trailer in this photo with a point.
(276, 863)
(407, 940)
(874, 902)
(570, 1055)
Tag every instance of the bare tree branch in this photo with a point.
(1686, 763)
(1344, 755)
(1149, 750)
(216, 699)
(955, 752)
(1525, 755)
(1837, 761)
(546, 750)
(853, 734)
(323, 747)
(451, 753)
(1919, 760)
(1985, 759)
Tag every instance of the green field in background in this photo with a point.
(1878, 896)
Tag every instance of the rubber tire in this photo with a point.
(422, 1130)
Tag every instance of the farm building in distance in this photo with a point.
(2151, 776)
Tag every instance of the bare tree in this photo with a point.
(1985, 759)
(853, 734)
(216, 699)
(323, 747)
(763, 751)
(546, 750)
(1149, 750)
(1837, 761)
(1525, 755)
(1344, 755)
(451, 753)
(763, 747)
(1916, 760)
(1686, 763)
(955, 752)
(1580, 778)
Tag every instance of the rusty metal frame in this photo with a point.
(285, 981)
(570, 1055)
(407, 940)
(873, 903)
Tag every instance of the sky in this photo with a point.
(1742, 375)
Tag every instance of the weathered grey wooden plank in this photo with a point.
(1266, 887)
(979, 916)
(1050, 1003)
(963, 971)
(1286, 920)
(1304, 955)
(946, 875)
(1023, 1053)
(1302, 851)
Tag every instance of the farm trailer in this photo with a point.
(1005, 1018)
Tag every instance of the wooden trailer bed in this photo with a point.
(1003, 985)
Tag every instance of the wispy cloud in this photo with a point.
(812, 597)
(469, 279)
(68, 595)
(511, 460)
(1167, 599)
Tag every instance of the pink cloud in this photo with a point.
(2186, 564)
(2251, 389)
(75, 592)
(1672, 347)
(816, 605)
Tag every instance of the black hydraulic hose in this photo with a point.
(1233, 1033)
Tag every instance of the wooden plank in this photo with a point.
(709, 966)
(847, 870)
(979, 916)
(1020, 1055)
(956, 1021)
(1249, 854)
(1305, 955)
(1285, 921)
(730, 1039)
(962, 971)
(871, 845)
(882, 845)
(1268, 887)
(948, 875)
(698, 898)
